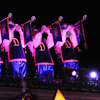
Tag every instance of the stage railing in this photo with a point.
(63, 84)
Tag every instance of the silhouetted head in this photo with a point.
(44, 36)
(16, 34)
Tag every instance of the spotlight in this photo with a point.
(93, 75)
(74, 73)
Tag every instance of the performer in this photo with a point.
(1, 50)
(65, 48)
(3, 64)
(42, 42)
(14, 48)
(3, 35)
(31, 70)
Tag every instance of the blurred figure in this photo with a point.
(14, 47)
(31, 70)
(65, 48)
(1, 61)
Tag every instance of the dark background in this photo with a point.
(48, 12)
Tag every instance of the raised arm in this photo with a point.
(19, 29)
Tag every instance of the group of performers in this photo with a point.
(61, 38)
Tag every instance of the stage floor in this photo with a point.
(7, 93)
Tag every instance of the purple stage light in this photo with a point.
(93, 75)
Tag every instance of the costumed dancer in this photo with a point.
(14, 47)
(28, 36)
(30, 55)
(42, 42)
(65, 48)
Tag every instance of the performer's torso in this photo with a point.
(15, 50)
(67, 51)
(42, 55)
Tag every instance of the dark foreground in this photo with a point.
(8, 93)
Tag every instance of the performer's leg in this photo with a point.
(60, 67)
(41, 71)
(15, 66)
(73, 66)
(51, 71)
(45, 72)
(23, 69)
(0, 70)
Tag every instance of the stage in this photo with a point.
(8, 93)
(83, 88)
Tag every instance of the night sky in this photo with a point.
(72, 12)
